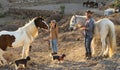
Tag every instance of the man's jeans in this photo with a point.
(53, 44)
(88, 40)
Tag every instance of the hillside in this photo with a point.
(70, 43)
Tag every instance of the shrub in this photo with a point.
(2, 15)
(117, 4)
(62, 9)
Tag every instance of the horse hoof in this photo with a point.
(4, 62)
(99, 57)
(105, 56)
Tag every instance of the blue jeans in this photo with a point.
(53, 44)
(88, 40)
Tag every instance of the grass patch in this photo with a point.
(2, 15)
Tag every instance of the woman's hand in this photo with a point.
(45, 39)
(83, 28)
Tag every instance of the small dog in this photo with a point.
(59, 58)
(22, 61)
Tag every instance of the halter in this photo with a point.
(45, 24)
(75, 19)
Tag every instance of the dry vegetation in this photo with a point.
(70, 43)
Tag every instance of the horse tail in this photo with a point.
(112, 38)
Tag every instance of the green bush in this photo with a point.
(112, 5)
(117, 4)
(2, 15)
(62, 9)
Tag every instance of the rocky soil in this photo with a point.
(70, 43)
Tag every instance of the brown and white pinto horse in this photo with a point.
(24, 36)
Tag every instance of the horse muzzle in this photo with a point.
(71, 29)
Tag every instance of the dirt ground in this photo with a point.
(70, 43)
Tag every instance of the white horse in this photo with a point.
(104, 30)
(109, 11)
(23, 36)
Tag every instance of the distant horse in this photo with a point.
(104, 30)
(93, 4)
(96, 5)
(24, 36)
(86, 3)
(109, 11)
(90, 4)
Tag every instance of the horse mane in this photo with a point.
(27, 24)
(80, 16)
(30, 28)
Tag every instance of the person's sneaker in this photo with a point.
(88, 58)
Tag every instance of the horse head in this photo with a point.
(72, 23)
(76, 21)
(39, 22)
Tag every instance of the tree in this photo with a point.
(117, 4)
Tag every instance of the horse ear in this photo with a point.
(37, 19)
(41, 17)
(74, 15)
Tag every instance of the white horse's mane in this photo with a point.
(80, 16)
(101, 20)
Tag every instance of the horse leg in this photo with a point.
(103, 47)
(3, 61)
(103, 36)
(107, 47)
(110, 49)
(93, 46)
(112, 40)
(103, 40)
(25, 51)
